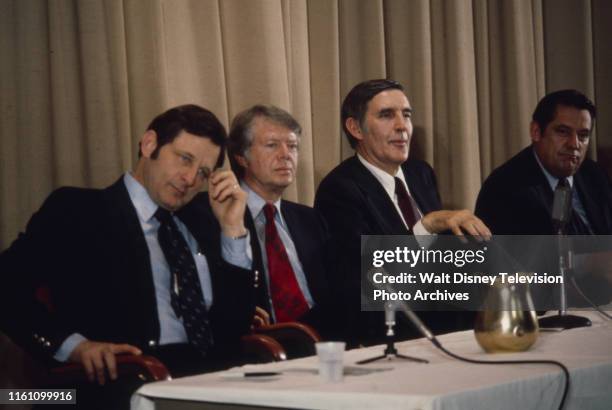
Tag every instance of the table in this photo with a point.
(444, 383)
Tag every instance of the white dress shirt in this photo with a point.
(388, 183)
(256, 204)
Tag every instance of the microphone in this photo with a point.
(416, 321)
(562, 203)
(424, 330)
(391, 307)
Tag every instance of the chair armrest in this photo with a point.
(146, 368)
(296, 338)
(261, 348)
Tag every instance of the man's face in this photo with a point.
(384, 136)
(562, 146)
(271, 161)
(179, 171)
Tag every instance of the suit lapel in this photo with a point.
(300, 239)
(538, 187)
(255, 247)
(381, 206)
(262, 299)
(418, 190)
(130, 236)
(590, 204)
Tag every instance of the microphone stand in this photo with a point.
(390, 351)
(562, 319)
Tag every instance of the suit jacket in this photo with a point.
(516, 199)
(354, 203)
(87, 247)
(311, 239)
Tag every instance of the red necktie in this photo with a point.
(405, 203)
(287, 298)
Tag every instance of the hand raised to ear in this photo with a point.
(228, 202)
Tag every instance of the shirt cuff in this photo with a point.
(236, 251)
(66, 348)
(422, 235)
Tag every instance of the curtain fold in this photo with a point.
(81, 80)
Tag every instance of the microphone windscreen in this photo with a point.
(561, 205)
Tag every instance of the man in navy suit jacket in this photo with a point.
(361, 196)
(517, 198)
(263, 150)
(97, 251)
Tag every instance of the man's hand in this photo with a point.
(228, 202)
(97, 357)
(459, 222)
(261, 318)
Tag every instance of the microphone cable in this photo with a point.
(436, 343)
(425, 331)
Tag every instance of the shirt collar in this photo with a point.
(145, 207)
(386, 180)
(256, 202)
(552, 180)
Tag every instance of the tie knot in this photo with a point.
(269, 212)
(162, 215)
(563, 183)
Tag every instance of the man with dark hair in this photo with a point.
(289, 241)
(134, 268)
(379, 191)
(517, 197)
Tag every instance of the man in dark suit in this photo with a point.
(380, 192)
(133, 268)
(517, 198)
(289, 241)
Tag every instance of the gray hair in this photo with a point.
(241, 135)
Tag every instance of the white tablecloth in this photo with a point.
(444, 383)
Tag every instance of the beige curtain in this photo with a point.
(81, 79)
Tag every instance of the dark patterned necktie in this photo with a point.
(575, 225)
(186, 295)
(287, 298)
(405, 203)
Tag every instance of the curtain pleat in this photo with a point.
(81, 80)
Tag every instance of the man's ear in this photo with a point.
(352, 125)
(148, 143)
(534, 131)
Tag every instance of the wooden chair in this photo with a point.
(271, 343)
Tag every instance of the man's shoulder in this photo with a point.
(592, 171)
(344, 170)
(300, 210)
(348, 182)
(297, 207)
(75, 192)
(417, 168)
(68, 197)
(416, 164)
(515, 170)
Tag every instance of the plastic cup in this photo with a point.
(331, 364)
